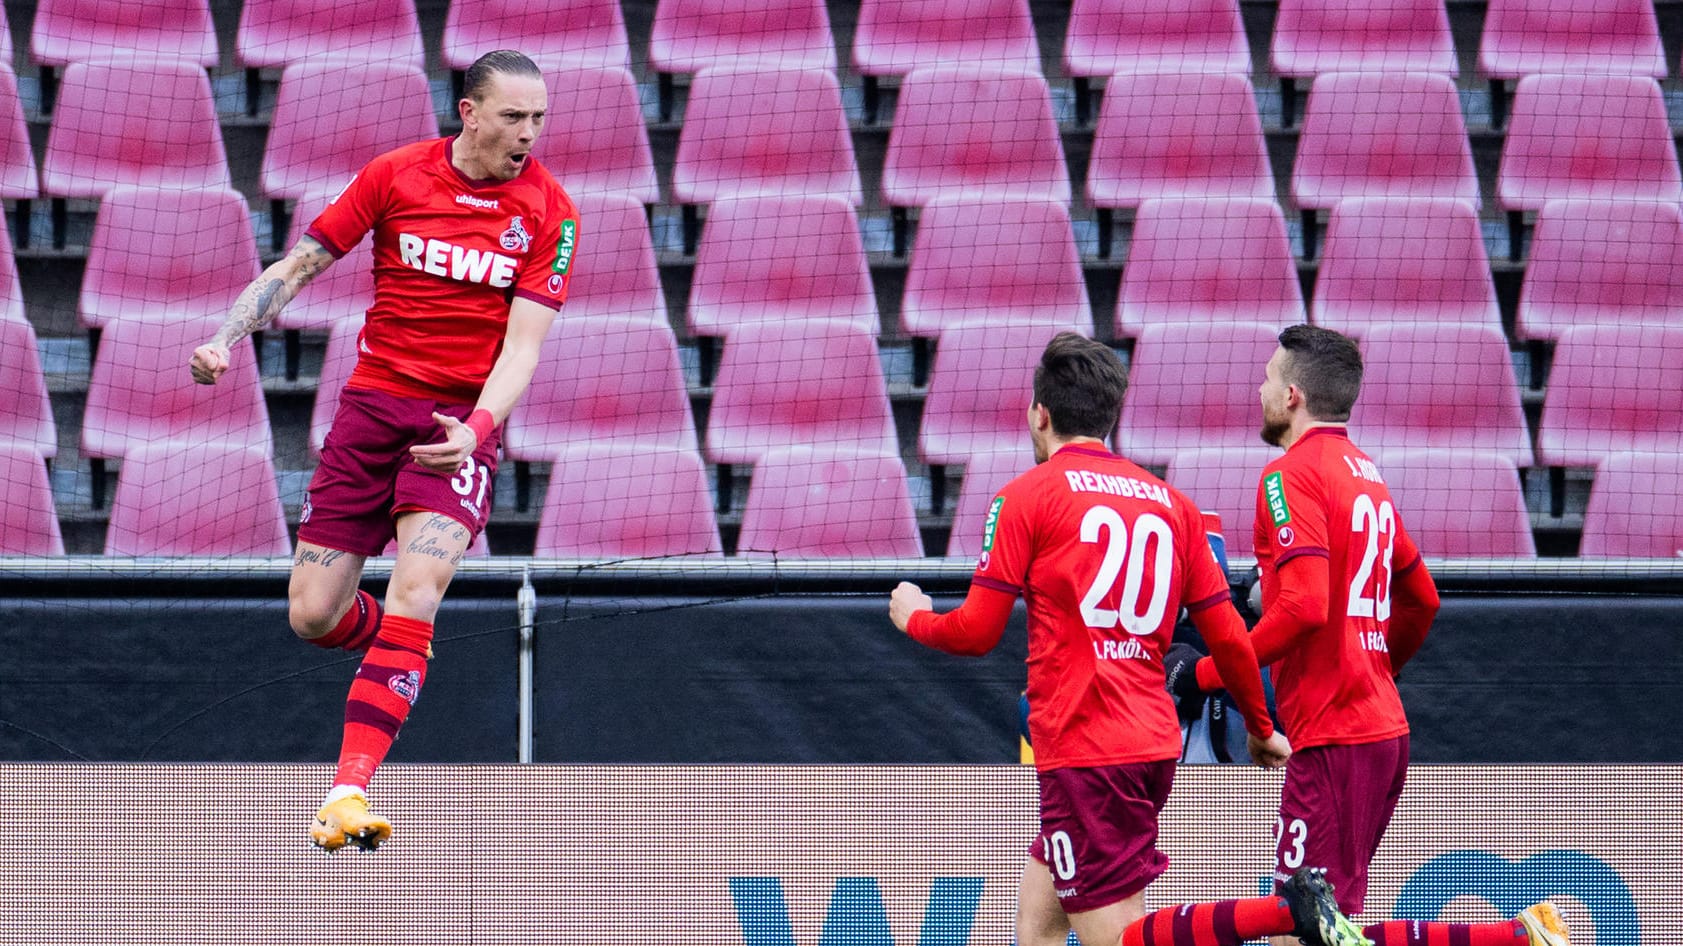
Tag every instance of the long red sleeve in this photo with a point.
(1230, 649)
(1298, 608)
(1414, 603)
(970, 630)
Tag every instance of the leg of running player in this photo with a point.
(429, 548)
(324, 605)
(1040, 920)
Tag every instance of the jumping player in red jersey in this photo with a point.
(473, 246)
(1105, 555)
(1347, 601)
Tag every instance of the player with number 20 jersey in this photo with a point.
(1105, 555)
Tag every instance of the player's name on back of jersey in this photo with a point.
(1363, 469)
(1087, 481)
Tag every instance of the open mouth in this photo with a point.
(518, 159)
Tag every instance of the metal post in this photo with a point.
(526, 602)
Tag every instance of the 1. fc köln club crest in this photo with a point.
(516, 237)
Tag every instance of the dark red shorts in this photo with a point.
(367, 477)
(1334, 808)
(1098, 831)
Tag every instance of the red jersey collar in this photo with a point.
(477, 183)
(1085, 449)
(1340, 431)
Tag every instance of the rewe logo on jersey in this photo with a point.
(450, 261)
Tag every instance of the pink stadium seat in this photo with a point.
(603, 381)
(972, 132)
(1595, 136)
(27, 416)
(980, 389)
(829, 502)
(594, 137)
(1441, 386)
(1381, 134)
(1194, 386)
(556, 34)
(167, 254)
(614, 270)
(781, 258)
(1603, 262)
(133, 122)
(895, 37)
(1106, 37)
(1457, 503)
(1404, 259)
(1216, 259)
(337, 362)
(1635, 507)
(788, 383)
(11, 287)
(1525, 37)
(754, 131)
(692, 35)
(67, 31)
(1612, 388)
(201, 499)
(985, 474)
(140, 391)
(1223, 480)
(1312, 37)
(627, 501)
(991, 260)
(611, 381)
(332, 117)
(1175, 135)
(18, 180)
(274, 33)
(28, 519)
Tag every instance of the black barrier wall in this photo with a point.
(784, 679)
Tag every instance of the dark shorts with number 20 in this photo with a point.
(1098, 831)
(1334, 809)
(367, 477)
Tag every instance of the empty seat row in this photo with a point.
(959, 132)
(1104, 37)
(156, 253)
(782, 384)
(614, 501)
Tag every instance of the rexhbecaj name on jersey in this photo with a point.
(1086, 481)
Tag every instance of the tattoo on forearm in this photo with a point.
(323, 557)
(261, 301)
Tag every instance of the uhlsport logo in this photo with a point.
(406, 685)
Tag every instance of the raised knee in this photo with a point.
(311, 619)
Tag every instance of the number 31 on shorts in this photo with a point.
(463, 481)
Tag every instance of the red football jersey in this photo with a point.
(1115, 554)
(1326, 497)
(450, 255)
